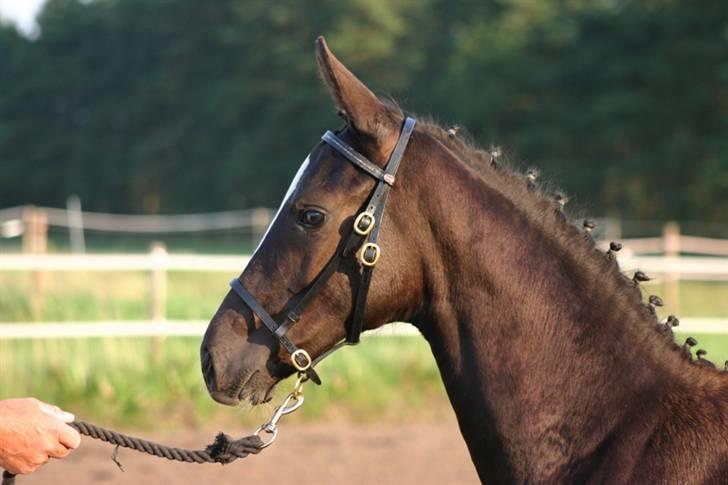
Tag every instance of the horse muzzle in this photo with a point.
(235, 365)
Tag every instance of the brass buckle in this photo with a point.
(359, 219)
(300, 367)
(363, 252)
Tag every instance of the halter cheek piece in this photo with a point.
(362, 242)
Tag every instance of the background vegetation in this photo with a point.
(164, 106)
(125, 295)
(180, 105)
(138, 382)
(157, 383)
(142, 383)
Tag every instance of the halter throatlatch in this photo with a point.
(362, 242)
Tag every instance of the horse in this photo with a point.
(557, 370)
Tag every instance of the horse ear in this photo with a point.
(357, 103)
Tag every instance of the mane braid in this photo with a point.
(545, 214)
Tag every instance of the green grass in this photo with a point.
(140, 381)
(84, 296)
(67, 295)
(133, 381)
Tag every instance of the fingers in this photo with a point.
(56, 412)
(68, 437)
(60, 451)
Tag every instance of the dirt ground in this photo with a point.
(336, 454)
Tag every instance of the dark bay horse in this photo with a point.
(556, 368)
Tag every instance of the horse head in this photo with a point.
(307, 272)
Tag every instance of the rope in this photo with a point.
(223, 450)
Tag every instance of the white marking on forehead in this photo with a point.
(291, 190)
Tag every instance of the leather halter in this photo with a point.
(362, 241)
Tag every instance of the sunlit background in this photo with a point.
(145, 145)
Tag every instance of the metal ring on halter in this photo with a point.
(363, 254)
(301, 367)
(361, 218)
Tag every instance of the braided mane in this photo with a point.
(546, 213)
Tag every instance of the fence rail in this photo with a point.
(156, 260)
(670, 269)
(196, 328)
(680, 244)
(155, 224)
(684, 267)
(663, 258)
(143, 328)
(30, 220)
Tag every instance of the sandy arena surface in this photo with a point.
(303, 454)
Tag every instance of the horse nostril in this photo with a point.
(208, 369)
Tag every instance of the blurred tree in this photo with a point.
(624, 101)
(182, 105)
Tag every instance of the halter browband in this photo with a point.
(362, 241)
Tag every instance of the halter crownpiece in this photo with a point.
(362, 242)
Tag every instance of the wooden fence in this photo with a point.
(672, 257)
(158, 262)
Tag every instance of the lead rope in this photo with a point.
(223, 450)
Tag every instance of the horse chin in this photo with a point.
(257, 389)
(253, 387)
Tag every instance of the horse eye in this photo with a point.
(312, 218)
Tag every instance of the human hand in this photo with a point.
(32, 432)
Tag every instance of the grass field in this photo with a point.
(133, 381)
(67, 296)
(141, 381)
(83, 296)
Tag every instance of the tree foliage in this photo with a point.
(182, 105)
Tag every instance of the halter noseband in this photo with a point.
(362, 241)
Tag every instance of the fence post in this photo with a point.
(158, 280)
(158, 290)
(75, 224)
(671, 248)
(612, 229)
(35, 235)
(35, 241)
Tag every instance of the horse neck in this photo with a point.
(543, 348)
